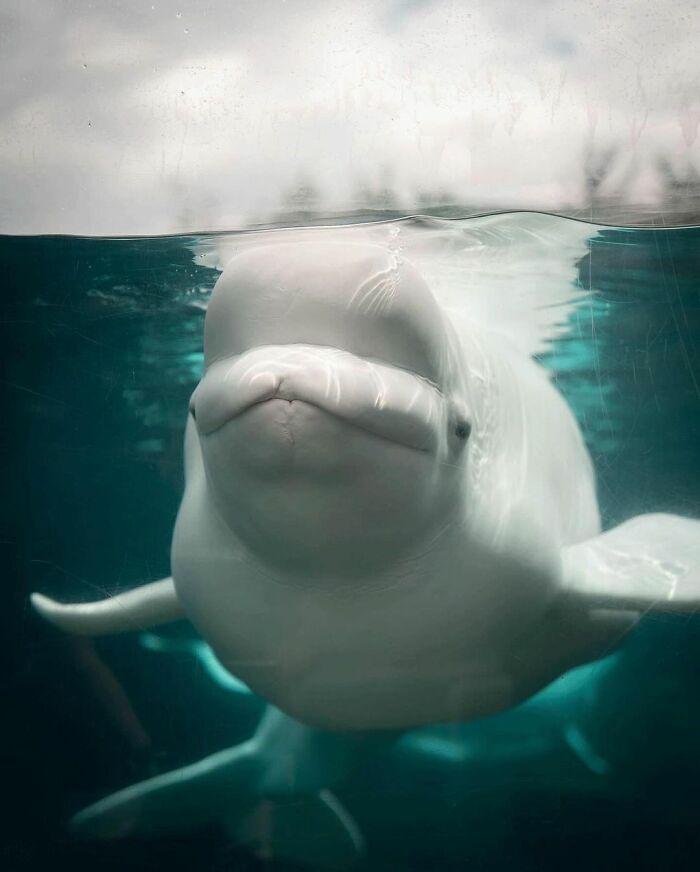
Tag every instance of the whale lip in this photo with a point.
(413, 440)
(381, 399)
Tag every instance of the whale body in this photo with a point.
(373, 510)
(390, 516)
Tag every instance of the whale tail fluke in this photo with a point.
(650, 563)
(235, 788)
(137, 609)
(184, 799)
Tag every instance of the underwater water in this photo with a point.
(102, 347)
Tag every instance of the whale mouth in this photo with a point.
(386, 401)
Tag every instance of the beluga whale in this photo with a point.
(389, 516)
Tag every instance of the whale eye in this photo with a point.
(463, 430)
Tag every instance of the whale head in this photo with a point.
(332, 416)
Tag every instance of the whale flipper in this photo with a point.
(650, 563)
(137, 609)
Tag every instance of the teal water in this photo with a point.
(101, 342)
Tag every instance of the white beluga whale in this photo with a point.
(389, 518)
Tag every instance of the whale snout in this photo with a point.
(278, 438)
(330, 419)
(385, 401)
(321, 461)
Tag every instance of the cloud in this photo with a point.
(151, 118)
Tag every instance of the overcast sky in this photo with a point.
(150, 117)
